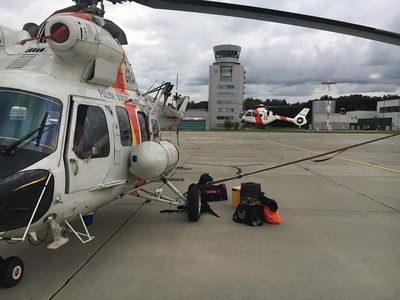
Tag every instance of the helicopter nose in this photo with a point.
(241, 114)
(25, 195)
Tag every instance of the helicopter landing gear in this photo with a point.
(194, 204)
(11, 271)
(191, 202)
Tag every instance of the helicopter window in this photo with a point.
(156, 129)
(248, 114)
(91, 137)
(124, 126)
(144, 127)
(29, 121)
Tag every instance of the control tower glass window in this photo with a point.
(226, 53)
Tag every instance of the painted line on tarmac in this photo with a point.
(333, 156)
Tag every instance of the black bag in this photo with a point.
(210, 191)
(205, 179)
(213, 192)
(270, 203)
(249, 211)
(250, 190)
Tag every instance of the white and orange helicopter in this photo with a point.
(263, 116)
(76, 133)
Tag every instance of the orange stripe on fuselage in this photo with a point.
(131, 109)
(257, 118)
(83, 16)
(282, 118)
(120, 80)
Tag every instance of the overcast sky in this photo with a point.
(281, 61)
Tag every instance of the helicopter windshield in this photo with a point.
(28, 122)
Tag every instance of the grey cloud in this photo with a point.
(281, 61)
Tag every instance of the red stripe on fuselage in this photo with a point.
(84, 16)
(257, 118)
(120, 82)
(282, 118)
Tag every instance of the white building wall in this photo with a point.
(390, 109)
(336, 121)
(361, 114)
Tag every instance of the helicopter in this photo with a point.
(77, 133)
(263, 116)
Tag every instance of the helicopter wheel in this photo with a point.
(11, 271)
(194, 204)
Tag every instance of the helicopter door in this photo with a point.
(88, 157)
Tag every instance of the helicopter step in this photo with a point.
(58, 232)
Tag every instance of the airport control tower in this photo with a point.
(226, 86)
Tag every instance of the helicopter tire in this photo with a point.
(11, 271)
(194, 204)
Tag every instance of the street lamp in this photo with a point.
(328, 107)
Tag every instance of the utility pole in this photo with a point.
(328, 107)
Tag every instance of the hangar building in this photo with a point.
(386, 117)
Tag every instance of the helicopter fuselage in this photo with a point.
(71, 115)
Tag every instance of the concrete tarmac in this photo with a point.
(339, 237)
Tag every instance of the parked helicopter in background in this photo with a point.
(76, 133)
(263, 116)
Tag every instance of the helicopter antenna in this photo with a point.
(176, 97)
(177, 81)
(175, 103)
(150, 88)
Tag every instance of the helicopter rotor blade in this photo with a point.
(276, 16)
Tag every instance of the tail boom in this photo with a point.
(301, 119)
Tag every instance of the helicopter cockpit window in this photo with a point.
(144, 127)
(124, 126)
(248, 114)
(28, 122)
(91, 138)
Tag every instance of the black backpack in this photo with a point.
(205, 185)
(249, 211)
